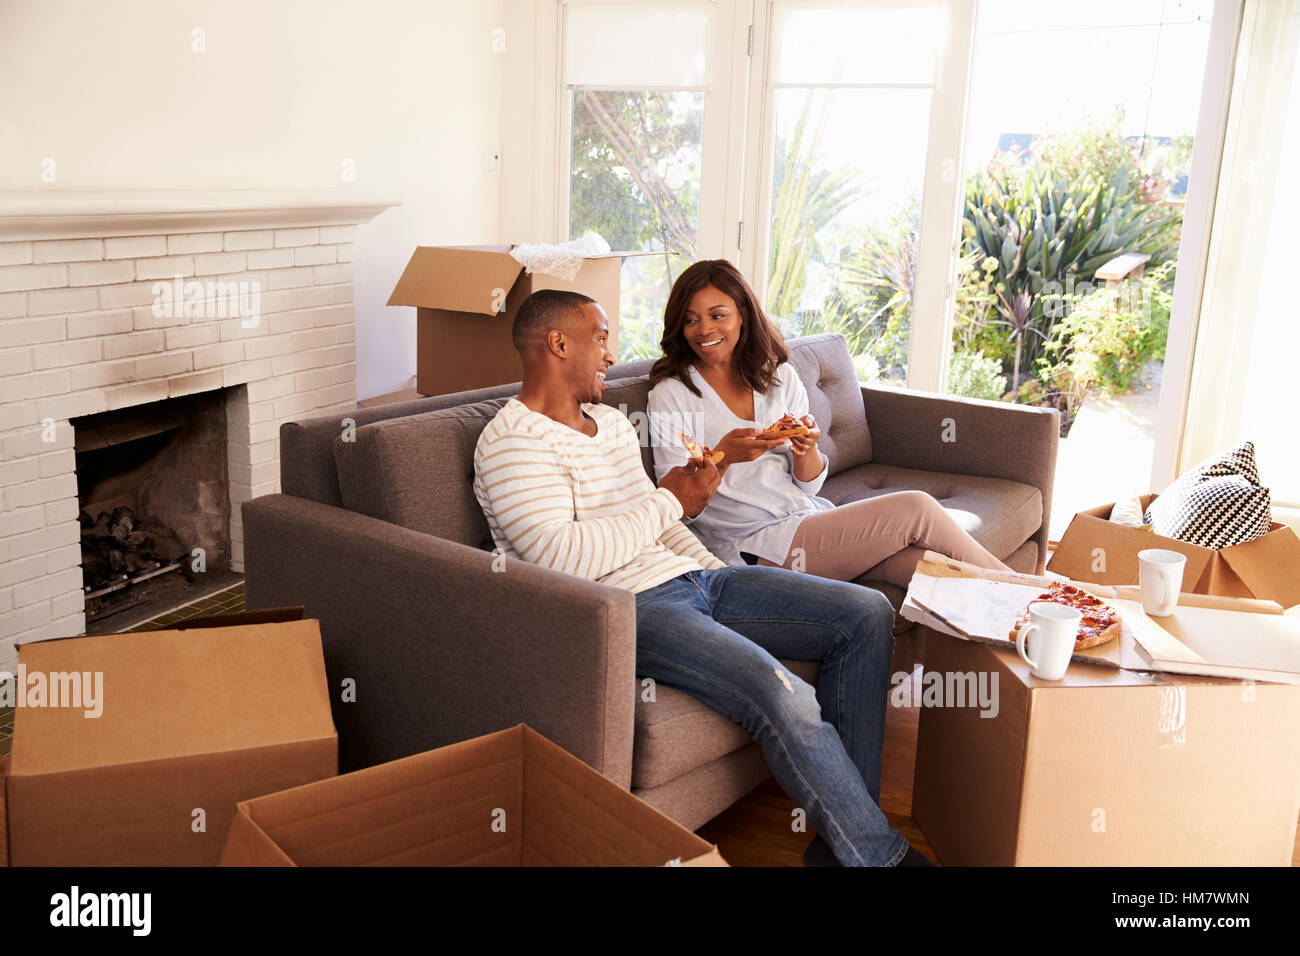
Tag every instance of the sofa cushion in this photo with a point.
(834, 399)
(307, 462)
(630, 396)
(1024, 559)
(675, 733)
(998, 513)
(418, 471)
(1217, 504)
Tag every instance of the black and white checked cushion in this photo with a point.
(1239, 461)
(1217, 504)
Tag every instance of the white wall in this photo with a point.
(409, 90)
(528, 123)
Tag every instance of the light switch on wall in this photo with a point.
(492, 163)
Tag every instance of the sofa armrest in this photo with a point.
(441, 646)
(966, 436)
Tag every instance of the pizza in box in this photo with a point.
(1099, 624)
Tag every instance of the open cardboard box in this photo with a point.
(1117, 763)
(511, 798)
(466, 298)
(1106, 767)
(1096, 549)
(190, 723)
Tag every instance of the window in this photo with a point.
(640, 103)
(634, 178)
(848, 109)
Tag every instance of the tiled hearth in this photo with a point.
(86, 327)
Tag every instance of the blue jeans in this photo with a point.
(717, 635)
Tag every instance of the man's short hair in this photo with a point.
(544, 310)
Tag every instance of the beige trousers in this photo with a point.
(883, 538)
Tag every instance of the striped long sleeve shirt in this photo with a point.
(583, 505)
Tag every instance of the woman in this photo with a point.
(723, 378)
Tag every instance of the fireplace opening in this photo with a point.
(154, 496)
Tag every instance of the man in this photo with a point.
(560, 480)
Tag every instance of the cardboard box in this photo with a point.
(189, 720)
(392, 398)
(1106, 767)
(466, 298)
(511, 798)
(1096, 549)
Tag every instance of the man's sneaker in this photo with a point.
(819, 853)
(915, 858)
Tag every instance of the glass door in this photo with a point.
(843, 107)
(1078, 157)
(647, 135)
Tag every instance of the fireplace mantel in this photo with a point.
(63, 214)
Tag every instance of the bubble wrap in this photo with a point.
(562, 261)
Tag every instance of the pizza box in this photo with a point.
(1106, 767)
(510, 798)
(466, 298)
(179, 726)
(1096, 549)
(1207, 634)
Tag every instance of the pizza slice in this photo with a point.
(1099, 624)
(697, 452)
(787, 427)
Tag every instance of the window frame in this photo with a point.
(723, 140)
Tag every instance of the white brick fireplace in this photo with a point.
(80, 334)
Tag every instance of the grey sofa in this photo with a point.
(378, 534)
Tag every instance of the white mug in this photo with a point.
(1050, 632)
(1160, 579)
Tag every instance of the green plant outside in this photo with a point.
(1107, 339)
(1037, 224)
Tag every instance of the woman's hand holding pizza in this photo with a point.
(743, 444)
(806, 460)
(803, 445)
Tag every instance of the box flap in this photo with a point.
(431, 809)
(503, 799)
(170, 694)
(1096, 549)
(460, 279)
(248, 844)
(576, 816)
(139, 814)
(712, 858)
(1269, 566)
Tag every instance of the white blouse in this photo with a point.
(759, 505)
